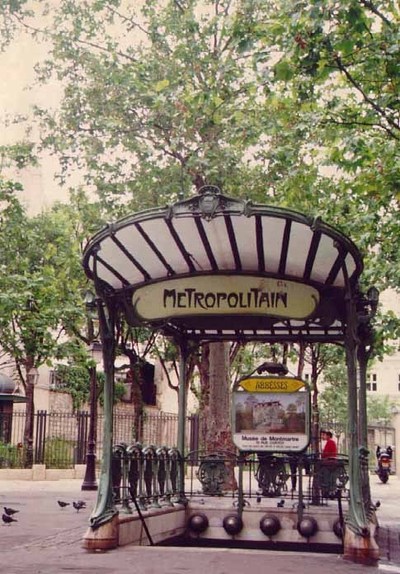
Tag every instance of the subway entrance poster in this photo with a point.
(271, 414)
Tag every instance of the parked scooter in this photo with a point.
(384, 466)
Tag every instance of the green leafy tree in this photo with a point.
(293, 102)
(159, 112)
(74, 379)
(333, 399)
(11, 14)
(158, 100)
(380, 409)
(339, 62)
(40, 280)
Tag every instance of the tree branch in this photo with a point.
(179, 6)
(131, 23)
(77, 40)
(371, 6)
(380, 111)
(353, 123)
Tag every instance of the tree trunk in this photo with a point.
(29, 422)
(301, 362)
(215, 410)
(315, 430)
(136, 379)
(315, 410)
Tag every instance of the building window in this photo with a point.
(55, 382)
(146, 386)
(149, 388)
(372, 384)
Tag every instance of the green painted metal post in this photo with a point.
(363, 355)
(365, 349)
(357, 518)
(362, 394)
(359, 542)
(182, 401)
(105, 509)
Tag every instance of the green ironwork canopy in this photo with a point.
(217, 268)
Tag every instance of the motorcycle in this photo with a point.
(383, 470)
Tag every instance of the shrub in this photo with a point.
(59, 453)
(11, 456)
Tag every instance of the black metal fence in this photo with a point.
(60, 439)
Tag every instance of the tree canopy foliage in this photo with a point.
(284, 102)
(38, 284)
(333, 399)
(287, 102)
(340, 60)
(41, 276)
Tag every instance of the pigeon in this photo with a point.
(10, 511)
(62, 503)
(8, 519)
(281, 504)
(79, 504)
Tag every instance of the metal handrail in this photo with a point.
(153, 477)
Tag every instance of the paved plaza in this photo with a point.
(47, 540)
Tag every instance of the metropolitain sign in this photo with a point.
(225, 295)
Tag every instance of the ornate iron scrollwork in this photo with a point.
(212, 474)
(271, 475)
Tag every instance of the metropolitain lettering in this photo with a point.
(191, 298)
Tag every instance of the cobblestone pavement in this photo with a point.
(47, 540)
(388, 514)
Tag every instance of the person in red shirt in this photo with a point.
(330, 449)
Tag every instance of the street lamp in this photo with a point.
(32, 376)
(89, 481)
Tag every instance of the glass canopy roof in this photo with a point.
(217, 268)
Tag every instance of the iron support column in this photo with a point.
(103, 533)
(357, 518)
(359, 541)
(182, 401)
(362, 356)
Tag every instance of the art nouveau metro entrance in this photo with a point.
(213, 268)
